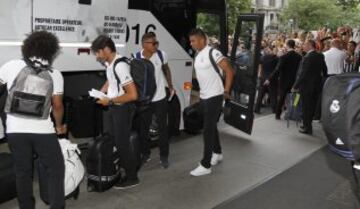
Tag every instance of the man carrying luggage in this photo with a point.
(159, 104)
(120, 96)
(30, 132)
(212, 93)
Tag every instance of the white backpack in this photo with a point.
(74, 168)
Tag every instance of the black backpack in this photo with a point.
(143, 73)
(334, 107)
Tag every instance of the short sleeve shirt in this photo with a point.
(159, 75)
(335, 59)
(14, 124)
(209, 80)
(122, 70)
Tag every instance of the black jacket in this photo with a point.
(312, 70)
(286, 69)
(269, 63)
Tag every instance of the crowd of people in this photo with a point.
(301, 62)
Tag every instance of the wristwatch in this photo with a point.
(111, 102)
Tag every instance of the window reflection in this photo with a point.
(243, 63)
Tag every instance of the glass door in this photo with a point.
(245, 57)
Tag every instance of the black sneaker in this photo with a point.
(164, 162)
(126, 184)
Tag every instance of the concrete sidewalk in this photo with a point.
(248, 161)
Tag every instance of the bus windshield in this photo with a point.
(184, 14)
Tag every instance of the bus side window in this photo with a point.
(87, 2)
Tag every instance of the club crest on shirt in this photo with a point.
(335, 106)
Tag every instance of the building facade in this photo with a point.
(271, 9)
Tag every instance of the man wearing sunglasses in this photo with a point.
(159, 106)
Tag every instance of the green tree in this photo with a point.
(348, 4)
(311, 15)
(235, 7)
(210, 22)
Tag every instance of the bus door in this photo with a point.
(245, 57)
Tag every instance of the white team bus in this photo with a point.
(78, 22)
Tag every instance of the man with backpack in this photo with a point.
(159, 105)
(121, 93)
(212, 93)
(34, 90)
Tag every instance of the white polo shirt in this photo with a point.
(209, 80)
(14, 124)
(335, 59)
(159, 75)
(122, 69)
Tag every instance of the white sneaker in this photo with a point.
(216, 158)
(200, 171)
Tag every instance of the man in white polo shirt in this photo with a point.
(120, 97)
(27, 135)
(212, 93)
(159, 104)
(335, 58)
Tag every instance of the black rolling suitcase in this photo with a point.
(103, 162)
(7, 178)
(193, 118)
(335, 111)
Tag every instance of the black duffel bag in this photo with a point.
(193, 118)
(83, 116)
(336, 112)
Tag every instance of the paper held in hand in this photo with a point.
(97, 94)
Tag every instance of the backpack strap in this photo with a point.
(213, 63)
(138, 55)
(122, 59)
(160, 54)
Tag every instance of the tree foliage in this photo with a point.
(348, 4)
(210, 22)
(235, 7)
(312, 14)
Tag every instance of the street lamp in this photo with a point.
(291, 22)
